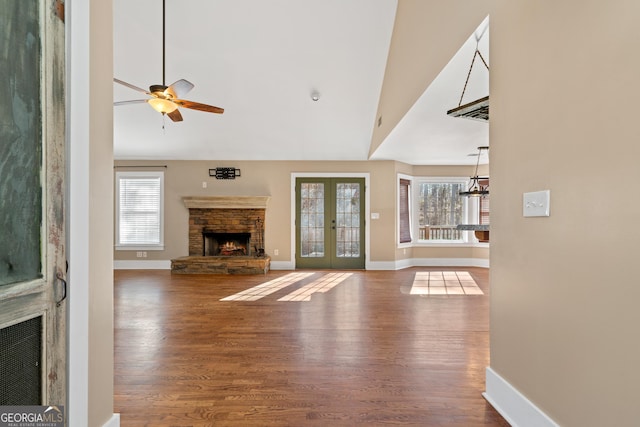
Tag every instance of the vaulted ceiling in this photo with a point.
(262, 61)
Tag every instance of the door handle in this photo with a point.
(60, 277)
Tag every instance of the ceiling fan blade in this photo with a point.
(179, 88)
(133, 101)
(198, 106)
(175, 115)
(130, 86)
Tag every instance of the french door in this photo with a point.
(330, 223)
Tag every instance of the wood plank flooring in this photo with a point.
(366, 352)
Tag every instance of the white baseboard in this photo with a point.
(141, 265)
(450, 262)
(513, 405)
(114, 421)
(428, 262)
(291, 265)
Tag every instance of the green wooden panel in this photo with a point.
(20, 142)
(330, 223)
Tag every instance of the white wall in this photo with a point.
(90, 165)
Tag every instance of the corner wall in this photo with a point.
(564, 293)
(90, 163)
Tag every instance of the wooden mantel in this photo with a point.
(226, 202)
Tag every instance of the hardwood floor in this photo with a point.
(365, 352)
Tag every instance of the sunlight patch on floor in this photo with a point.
(267, 288)
(444, 283)
(323, 284)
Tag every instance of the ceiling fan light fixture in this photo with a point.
(162, 105)
(168, 99)
(159, 91)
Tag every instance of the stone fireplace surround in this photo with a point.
(223, 214)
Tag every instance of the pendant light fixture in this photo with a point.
(476, 188)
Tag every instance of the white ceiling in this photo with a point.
(426, 135)
(261, 61)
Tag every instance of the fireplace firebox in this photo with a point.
(225, 244)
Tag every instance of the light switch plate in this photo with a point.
(536, 203)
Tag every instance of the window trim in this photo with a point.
(470, 210)
(140, 175)
(402, 230)
(465, 207)
(399, 177)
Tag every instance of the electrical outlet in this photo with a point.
(144, 254)
(139, 254)
(536, 203)
(204, 184)
(276, 252)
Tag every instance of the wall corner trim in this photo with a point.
(513, 405)
(114, 421)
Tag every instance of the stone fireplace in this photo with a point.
(226, 235)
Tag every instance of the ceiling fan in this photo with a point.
(166, 99)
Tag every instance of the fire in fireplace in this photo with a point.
(226, 244)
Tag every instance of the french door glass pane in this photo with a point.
(347, 220)
(312, 219)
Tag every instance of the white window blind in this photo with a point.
(139, 210)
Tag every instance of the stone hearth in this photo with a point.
(224, 214)
(220, 265)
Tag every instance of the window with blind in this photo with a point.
(431, 208)
(404, 214)
(139, 210)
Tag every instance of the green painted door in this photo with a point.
(330, 223)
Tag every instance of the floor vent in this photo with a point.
(20, 363)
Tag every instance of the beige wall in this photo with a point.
(564, 83)
(100, 311)
(564, 291)
(273, 178)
